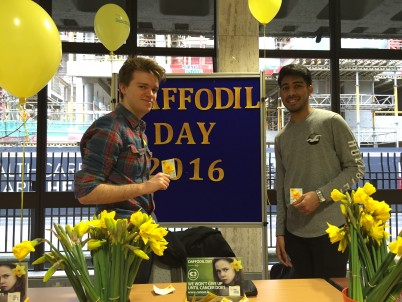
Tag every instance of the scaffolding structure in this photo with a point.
(378, 72)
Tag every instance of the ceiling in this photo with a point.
(359, 19)
(296, 18)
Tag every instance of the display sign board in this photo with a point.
(212, 126)
(222, 277)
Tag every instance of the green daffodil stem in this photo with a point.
(123, 263)
(115, 272)
(387, 284)
(128, 279)
(380, 274)
(117, 249)
(73, 267)
(362, 244)
(101, 259)
(355, 278)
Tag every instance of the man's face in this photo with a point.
(295, 93)
(140, 95)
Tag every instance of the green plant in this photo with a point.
(375, 271)
(117, 247)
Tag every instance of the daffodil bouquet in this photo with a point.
(117, 247)
(375, 273)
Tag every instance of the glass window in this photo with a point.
(159, 23)
(18, 123)
(368, 99)
(371, 24)
(297, 26)
(176, 23)
(75, 19)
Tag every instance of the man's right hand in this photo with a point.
(157, 182)
(281, 252)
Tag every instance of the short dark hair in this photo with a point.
(135, 63)
(295, 70)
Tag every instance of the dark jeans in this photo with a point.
(315, 257)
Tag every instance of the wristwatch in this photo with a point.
(320, 196)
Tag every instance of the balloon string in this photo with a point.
(24, 116)
(113, 97)
(265, 48)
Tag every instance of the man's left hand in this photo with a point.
(307, 203)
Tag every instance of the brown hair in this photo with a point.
(135, 63)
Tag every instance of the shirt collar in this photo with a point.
(136, 123)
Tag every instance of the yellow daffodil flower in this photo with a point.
(236, 265)
(377, 231)
(81, 228)
(94, 244)
(146, 230)
(19, 270)
(360, 196)
(396, 246)
(138, 218)
(158, 246)
(337, 234)
(343, 209)
(141, 254)
(21, 250)
(105, 214)
(366, 221)
(337, 195)
(382, 211)
(369, 189)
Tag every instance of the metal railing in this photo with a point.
(383, 169)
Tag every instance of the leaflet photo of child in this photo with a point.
(13, 279)
(229, 271)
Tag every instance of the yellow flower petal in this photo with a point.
(21, 250)
(141, 254)
(360, 196)
(81, 228)
(94, 244)
(396, 246)
(236, 265)
(138, 218)
(19, 270)
(369, 189)
(337, 195)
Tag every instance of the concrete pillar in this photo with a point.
(238, 52)
(237, 32)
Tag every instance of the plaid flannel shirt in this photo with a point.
(114, 150)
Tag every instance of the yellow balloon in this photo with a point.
(264, 10)
(112, 26)
(30, 51)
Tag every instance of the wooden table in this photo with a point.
(301, 290)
